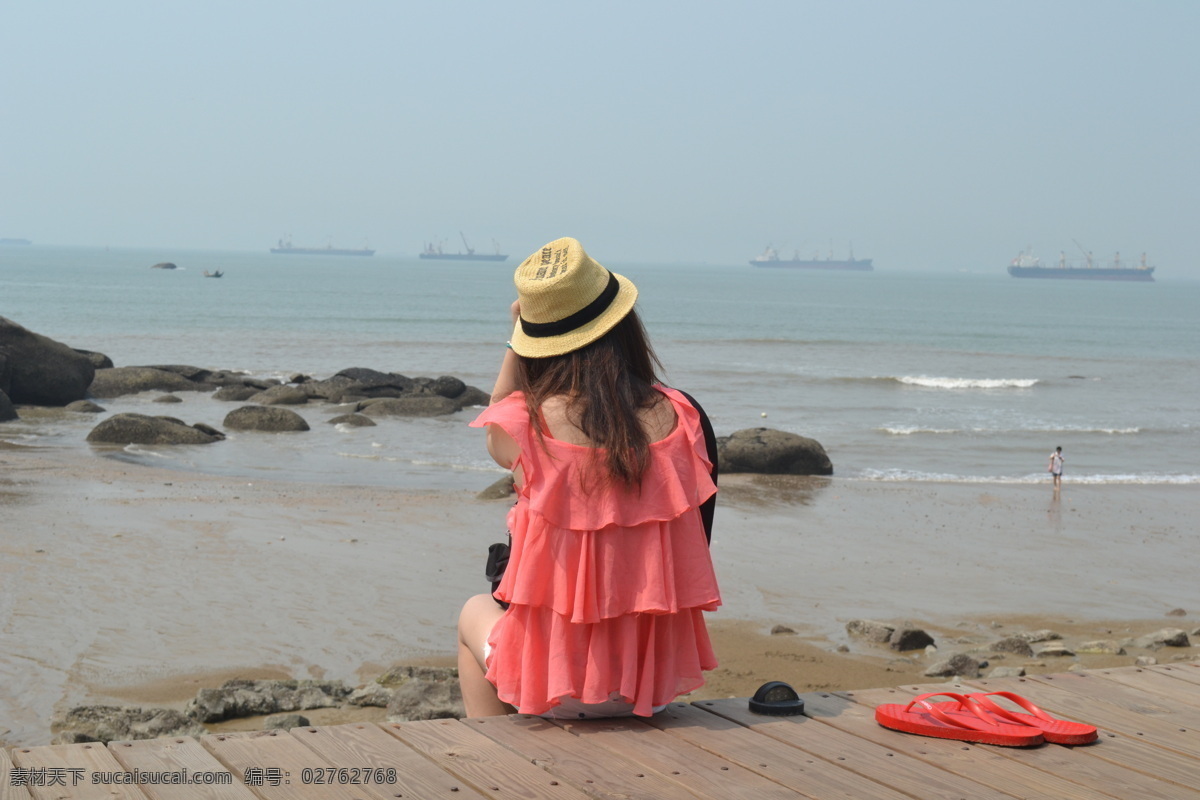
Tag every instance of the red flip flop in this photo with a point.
(961, 720)
(1058, 731)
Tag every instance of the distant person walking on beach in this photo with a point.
(599, 610)
(1056, 466)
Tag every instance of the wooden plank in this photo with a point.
(1189, 672)
(1161, 683)
(1130, 752)
(1103, 705)
(789, 750)
(182, 755)
(407, 773)
(1076, 764)
(1133, 698)
(701, 772)
(579, 762)
(275, 763)
(480, 761)
(1005, 769)
(10, 790)
(75, 765)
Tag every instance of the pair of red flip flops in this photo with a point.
(977, 718)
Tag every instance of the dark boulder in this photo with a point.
(280, 396)
(354, 420)
(768, 451)
(909, 638)
(426, 405)
(193, 374)
(374, 379)
(142, 429)
(120, 381)
(163, 265)
(447, 386)
(472, 397)
(268, 419)
(500, 490)
(7, 410)
(85, 407)
(236, 392)
(99, 360)
(38, 371)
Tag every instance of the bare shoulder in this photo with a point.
(659, 419)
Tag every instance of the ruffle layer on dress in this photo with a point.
(589, 576)
(677, 479)
(647, 660)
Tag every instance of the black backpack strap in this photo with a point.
(710, 442)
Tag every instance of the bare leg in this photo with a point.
(475, 622)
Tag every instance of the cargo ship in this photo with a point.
(770, 258)
(435, 251)
(1026, 265)
(285, 248)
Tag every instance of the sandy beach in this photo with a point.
(132, 584)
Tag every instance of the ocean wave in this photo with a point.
(928, 382)
(138, 450)
(915, 476)
(910, 430)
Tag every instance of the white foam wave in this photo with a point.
(138, 450)
(910, 430)
(928, 382)
(915, 476)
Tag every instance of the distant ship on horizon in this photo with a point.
(770, 258)
(285, 247)
(434, 251)
(1026, 265)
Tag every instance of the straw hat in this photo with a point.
(567, 300)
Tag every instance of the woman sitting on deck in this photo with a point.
(599, 612)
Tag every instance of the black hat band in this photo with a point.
(541, 330)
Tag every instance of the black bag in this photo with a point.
(498, 553)
(497, 560)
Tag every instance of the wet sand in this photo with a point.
(131, 584)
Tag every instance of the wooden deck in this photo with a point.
(1149, 747)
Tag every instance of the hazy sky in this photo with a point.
(939, 135)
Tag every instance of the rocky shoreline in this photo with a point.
(39, 371)
(902, 651)
(406, 692)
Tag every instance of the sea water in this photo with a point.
(962, 377)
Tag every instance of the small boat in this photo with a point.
(435, 252)
(286, 248)
(214, 274)
(164, 265)
(770, 258)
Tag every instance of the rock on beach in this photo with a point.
(118, 381)
(143, 429)
(268, 419)
(39, 371)
(7, 410)
(772, 452)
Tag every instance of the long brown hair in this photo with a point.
(606, 384)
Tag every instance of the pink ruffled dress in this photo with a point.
(607, 588)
